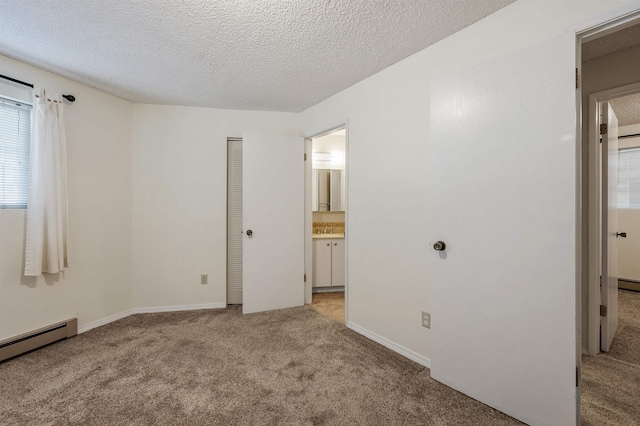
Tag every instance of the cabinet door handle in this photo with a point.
(328, 244)
(335, 244)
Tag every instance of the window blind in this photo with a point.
(15, 141)
(629, 178)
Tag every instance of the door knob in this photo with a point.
(249, 232)
(439, 246)
(621, 234)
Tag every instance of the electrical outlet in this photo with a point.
(204, 279)
(426, 319)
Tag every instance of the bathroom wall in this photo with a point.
(328, 216)
(335, 144)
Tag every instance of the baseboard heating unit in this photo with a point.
(18, 345)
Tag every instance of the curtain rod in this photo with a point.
(70, 98)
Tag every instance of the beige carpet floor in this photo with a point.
(611, 381)
(292, 366)
(219, 367)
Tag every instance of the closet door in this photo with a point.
(234, 221)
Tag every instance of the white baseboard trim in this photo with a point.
(391, 345)
(124, 314)
(177, 308)
(328, 289)
(104, 321)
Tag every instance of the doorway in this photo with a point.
(327, 226)
(605, 209)
(610, 84)
(614, 46)
(265, 222)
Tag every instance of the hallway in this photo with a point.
(611, 381)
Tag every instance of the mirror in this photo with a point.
(328, 190)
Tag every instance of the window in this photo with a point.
(629, 178)
(15, 140)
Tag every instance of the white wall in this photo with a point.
(388, 282)
(174, 229)
(98, 282)
(335, 144)
(629, 221)
(629, 248)
(607, 72)
(179, 199)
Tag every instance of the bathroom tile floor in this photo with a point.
(330, 305)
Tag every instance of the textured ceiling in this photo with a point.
(282, 55)
(614, 42)
(627, 109)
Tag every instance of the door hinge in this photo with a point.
(577, 79)
(603, 311)
(305, 157)
(305, 275)
(604, 129)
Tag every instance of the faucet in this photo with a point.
(325, 230)
(331, 230)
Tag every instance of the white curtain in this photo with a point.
(46, 244)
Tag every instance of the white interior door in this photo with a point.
(502, 196)
(273, 221)
(609, 284)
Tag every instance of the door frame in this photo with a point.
(309, 214)
(595, 216)
(599, 26)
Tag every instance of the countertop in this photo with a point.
(336, 235)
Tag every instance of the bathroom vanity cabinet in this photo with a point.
(328, 262)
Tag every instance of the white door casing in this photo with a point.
(503, 197)
(273, 204)
(609, 287)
